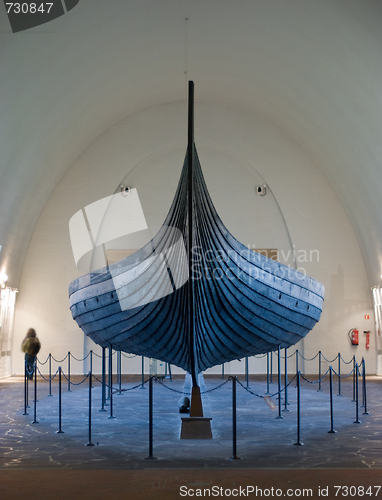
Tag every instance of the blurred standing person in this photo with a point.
(31, 346)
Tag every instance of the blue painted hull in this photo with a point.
(244, 303)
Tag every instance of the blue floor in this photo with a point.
(263, 441)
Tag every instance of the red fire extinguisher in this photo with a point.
(367, 339)
(353, 336)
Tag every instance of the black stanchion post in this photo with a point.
(119, 369)
(234, 437)
(298, 443)
(60, 431)
(223, 370)
(279, 382)
(110, 377)
(364, 388)
(35, 394)
(69, 372)
(267, 373)
(50, 374)
(271, 373)
(332, 431)
(111, 382)
(169, 371)
(143, 373)
(286, 381)
(339, 374)
(103, 379)
(319, 371)
(296, 364)
(28, 389)
(246, 371)
(91, 361)
(90, 410)
(151, 456)
(25, 389)
(357, 421)
(353, 378)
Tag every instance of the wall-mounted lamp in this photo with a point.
(3, 280)
(261, 190)
(125, 190)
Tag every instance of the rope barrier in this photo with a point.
(43, 363)
(187, 393)
(315, 381)
(47, 379)
(118, 391)
(308, 359)
(268, 395)
(60, 361)
(83, 359)
(329, 361)
(283, 357)
(73, 383)
(346, 362)
(343, 376)
(357, 371)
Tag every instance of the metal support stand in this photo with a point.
(286, 381)
(69, 372)
(28, 393)
(110, 377)
(357, 421)
(103, 379)
(90, 410)
(279, 383)
(332, 431)
(119, 372)
(223, 371)
(169, 371)
(25, 390)
(364, 388)
(298, 443)
(35, 394)
(267, 374)
(319, 371)
(339, 374)
(296, 364)
(271, 373)
(50, 375)
(60, 431)
(143, 373)
(111, 382)
(353, 379)
(246, 371)
(151, 440)
(234, 455)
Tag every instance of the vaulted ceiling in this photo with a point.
(311, 68)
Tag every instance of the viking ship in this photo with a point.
(194, 296)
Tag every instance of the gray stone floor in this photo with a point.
(122, 442)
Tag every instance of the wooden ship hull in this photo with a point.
(194, 296)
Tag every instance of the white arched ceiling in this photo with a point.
(311, 68)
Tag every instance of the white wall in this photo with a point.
(237, 151)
